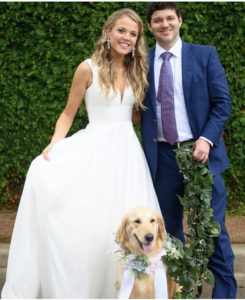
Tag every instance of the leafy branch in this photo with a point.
(189, 267)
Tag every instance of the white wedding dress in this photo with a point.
(72, 206)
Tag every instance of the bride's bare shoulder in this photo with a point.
(84, 72)
(84, 68)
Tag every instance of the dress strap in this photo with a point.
(92, 66)
(89, 62)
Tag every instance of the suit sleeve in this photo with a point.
(219, 99)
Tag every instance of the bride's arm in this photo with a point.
(136, 116)
(81, 81)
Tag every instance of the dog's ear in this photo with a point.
(161, 227)
(121, 233)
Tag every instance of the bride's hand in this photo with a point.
(46, 151)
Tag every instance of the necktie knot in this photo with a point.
(166, 55)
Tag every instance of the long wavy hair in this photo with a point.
(136, 67)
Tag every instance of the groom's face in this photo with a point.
(165, 26)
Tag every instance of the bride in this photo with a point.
(77, 191)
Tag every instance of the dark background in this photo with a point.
(42, 43)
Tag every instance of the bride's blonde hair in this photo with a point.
(136, 67)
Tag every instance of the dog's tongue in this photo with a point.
(147, 248)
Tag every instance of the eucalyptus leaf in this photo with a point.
(177, 295)
(172, 268)
(192, 270)
(209, 277)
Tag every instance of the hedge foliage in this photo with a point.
(42, 43)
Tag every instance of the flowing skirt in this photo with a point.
(71, 208)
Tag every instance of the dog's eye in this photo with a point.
(137, 221)
(153, 220)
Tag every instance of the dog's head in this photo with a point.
(142, 231)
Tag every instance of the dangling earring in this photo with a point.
(108, 44)
(133, 52)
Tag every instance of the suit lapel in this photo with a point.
(186, 71)
(152, 92)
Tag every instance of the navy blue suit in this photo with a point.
(207, 101)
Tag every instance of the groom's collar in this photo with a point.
(175, 49)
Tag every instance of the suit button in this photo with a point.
(154, 140)
(154, 120)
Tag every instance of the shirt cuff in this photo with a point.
(202, 137)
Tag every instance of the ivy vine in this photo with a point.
(189, 267)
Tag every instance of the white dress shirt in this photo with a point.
(182, 122)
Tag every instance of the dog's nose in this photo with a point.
(149, 237)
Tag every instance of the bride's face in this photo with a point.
(123, 36)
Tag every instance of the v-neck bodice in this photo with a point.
(114, 107)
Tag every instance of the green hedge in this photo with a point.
(41, 44)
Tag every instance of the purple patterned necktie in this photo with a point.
(165, 97)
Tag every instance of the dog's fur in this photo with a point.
(137, 226)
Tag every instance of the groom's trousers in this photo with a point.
(169, 183)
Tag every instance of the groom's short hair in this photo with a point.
(161, 6)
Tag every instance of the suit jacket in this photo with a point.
(207, 100)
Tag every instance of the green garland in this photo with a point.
(190, 268)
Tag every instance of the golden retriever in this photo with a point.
(142, 232)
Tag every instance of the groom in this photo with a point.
(188, 99)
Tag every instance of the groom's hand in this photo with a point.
(201, 150)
